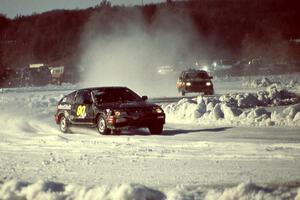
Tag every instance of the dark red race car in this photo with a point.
(195, 81)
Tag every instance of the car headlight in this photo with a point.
(188, 84)
(158, 110)
(208, 83)
(117, 113)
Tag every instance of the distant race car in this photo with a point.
(195, 81)
(110, 109)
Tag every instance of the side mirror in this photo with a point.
(144, 98)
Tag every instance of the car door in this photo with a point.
(82, 109)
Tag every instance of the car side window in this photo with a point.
(83, 96)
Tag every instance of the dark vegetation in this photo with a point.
(229, 28)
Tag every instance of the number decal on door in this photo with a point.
(81, 112)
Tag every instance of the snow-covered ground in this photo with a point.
(242, 144)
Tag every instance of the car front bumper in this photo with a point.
(136, 121)
(198, 89)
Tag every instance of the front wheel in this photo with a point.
(102, 126)
(156, 129)
(63, 124)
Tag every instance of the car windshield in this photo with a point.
(112, 95)
(199, 75)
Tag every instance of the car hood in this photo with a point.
(197, 79)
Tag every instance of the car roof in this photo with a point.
(194, 71)
(97, 88)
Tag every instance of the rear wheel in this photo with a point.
(182, 93)
(156, 129)
(102, 126)
(63, 124)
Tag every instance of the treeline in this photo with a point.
(230, 28)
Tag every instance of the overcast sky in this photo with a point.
(11, 8)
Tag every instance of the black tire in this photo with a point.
(64, 124)
(183, 93)
(116, 132)
(156, 129)
(102, 126)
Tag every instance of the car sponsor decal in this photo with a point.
(64, 107)
(81, 112)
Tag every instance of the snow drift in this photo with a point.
(52, 190)
(287, 81)
(239, 109)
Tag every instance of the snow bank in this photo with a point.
(287, 81)
(253, 191)
(52, 190)
(260, 82)
(238, 109)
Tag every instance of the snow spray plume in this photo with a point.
(130, 54)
